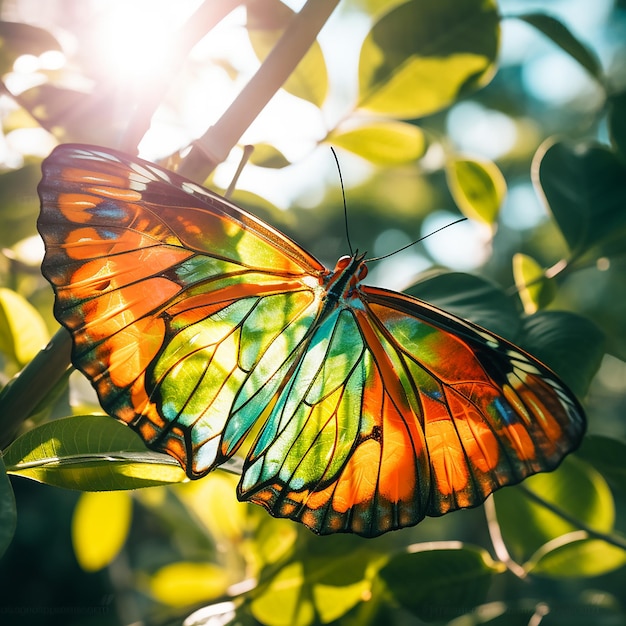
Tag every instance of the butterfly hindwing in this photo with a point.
(492, 415)
(340, 450)
(198, 323)
(424, 414)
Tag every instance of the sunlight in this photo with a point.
(134, 36)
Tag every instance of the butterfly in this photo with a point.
(201, 327)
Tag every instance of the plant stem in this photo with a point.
(497, 540)
(214, 146)
(612, 539)
(201, 22)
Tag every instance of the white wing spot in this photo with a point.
(192, 188)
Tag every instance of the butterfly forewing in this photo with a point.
(197, 323)
(166, 290)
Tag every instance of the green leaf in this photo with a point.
(23, 332)
(339, 584)
(574, 488)
(19, 207)
(535, 290)
(577, 559)
(617, 123)
(17, 39)
(478, 188)
(186, 583)
(437, 584)
(284, 601)
(161, 506)
(217, 492)
(569, 344)
(326, 585)
(563, 37)
(585, 188)
(607, 456)
(91, 453)
(274, 538)
(100, 525)
(8, 512)
(572, 609)
(421, 56)
(69, 113)
(508, 614)
(52, 105)
(267, 19)
(266, 155)
(472, 298)
(382, 143)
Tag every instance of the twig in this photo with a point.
(214, 146)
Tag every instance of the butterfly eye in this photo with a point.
(362, 272)
(342, 263)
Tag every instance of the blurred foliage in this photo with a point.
(549, 551)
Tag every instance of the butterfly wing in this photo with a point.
(193, 320)
(185, 311)
(399, 410)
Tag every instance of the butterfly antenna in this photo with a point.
(345, 207)
(408, 245)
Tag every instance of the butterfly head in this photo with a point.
(348, 273)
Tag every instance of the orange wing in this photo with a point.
(196, 322)
(419, 413)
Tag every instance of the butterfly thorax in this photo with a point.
(348, 273)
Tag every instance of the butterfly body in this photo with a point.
(197, 323)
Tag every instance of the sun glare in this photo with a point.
(135, 37)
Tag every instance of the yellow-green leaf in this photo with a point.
(382, 143)
(267, 19)
(284, 601)
(582, 558)
(266, 155)
(99, 527)
(22, 330)
(89, 452)
(216, 492)
(375, 8)
(575, 488)
(420, 56)
(274, 538)
(534, 288)
(332, 602)
(186, 583)
(478, 188)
